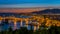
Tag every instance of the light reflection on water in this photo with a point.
(6, 26)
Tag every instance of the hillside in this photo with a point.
(48, 11)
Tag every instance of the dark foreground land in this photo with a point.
(24, 30)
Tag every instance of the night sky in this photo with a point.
(28, 3)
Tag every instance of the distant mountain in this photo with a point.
(48, 11)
